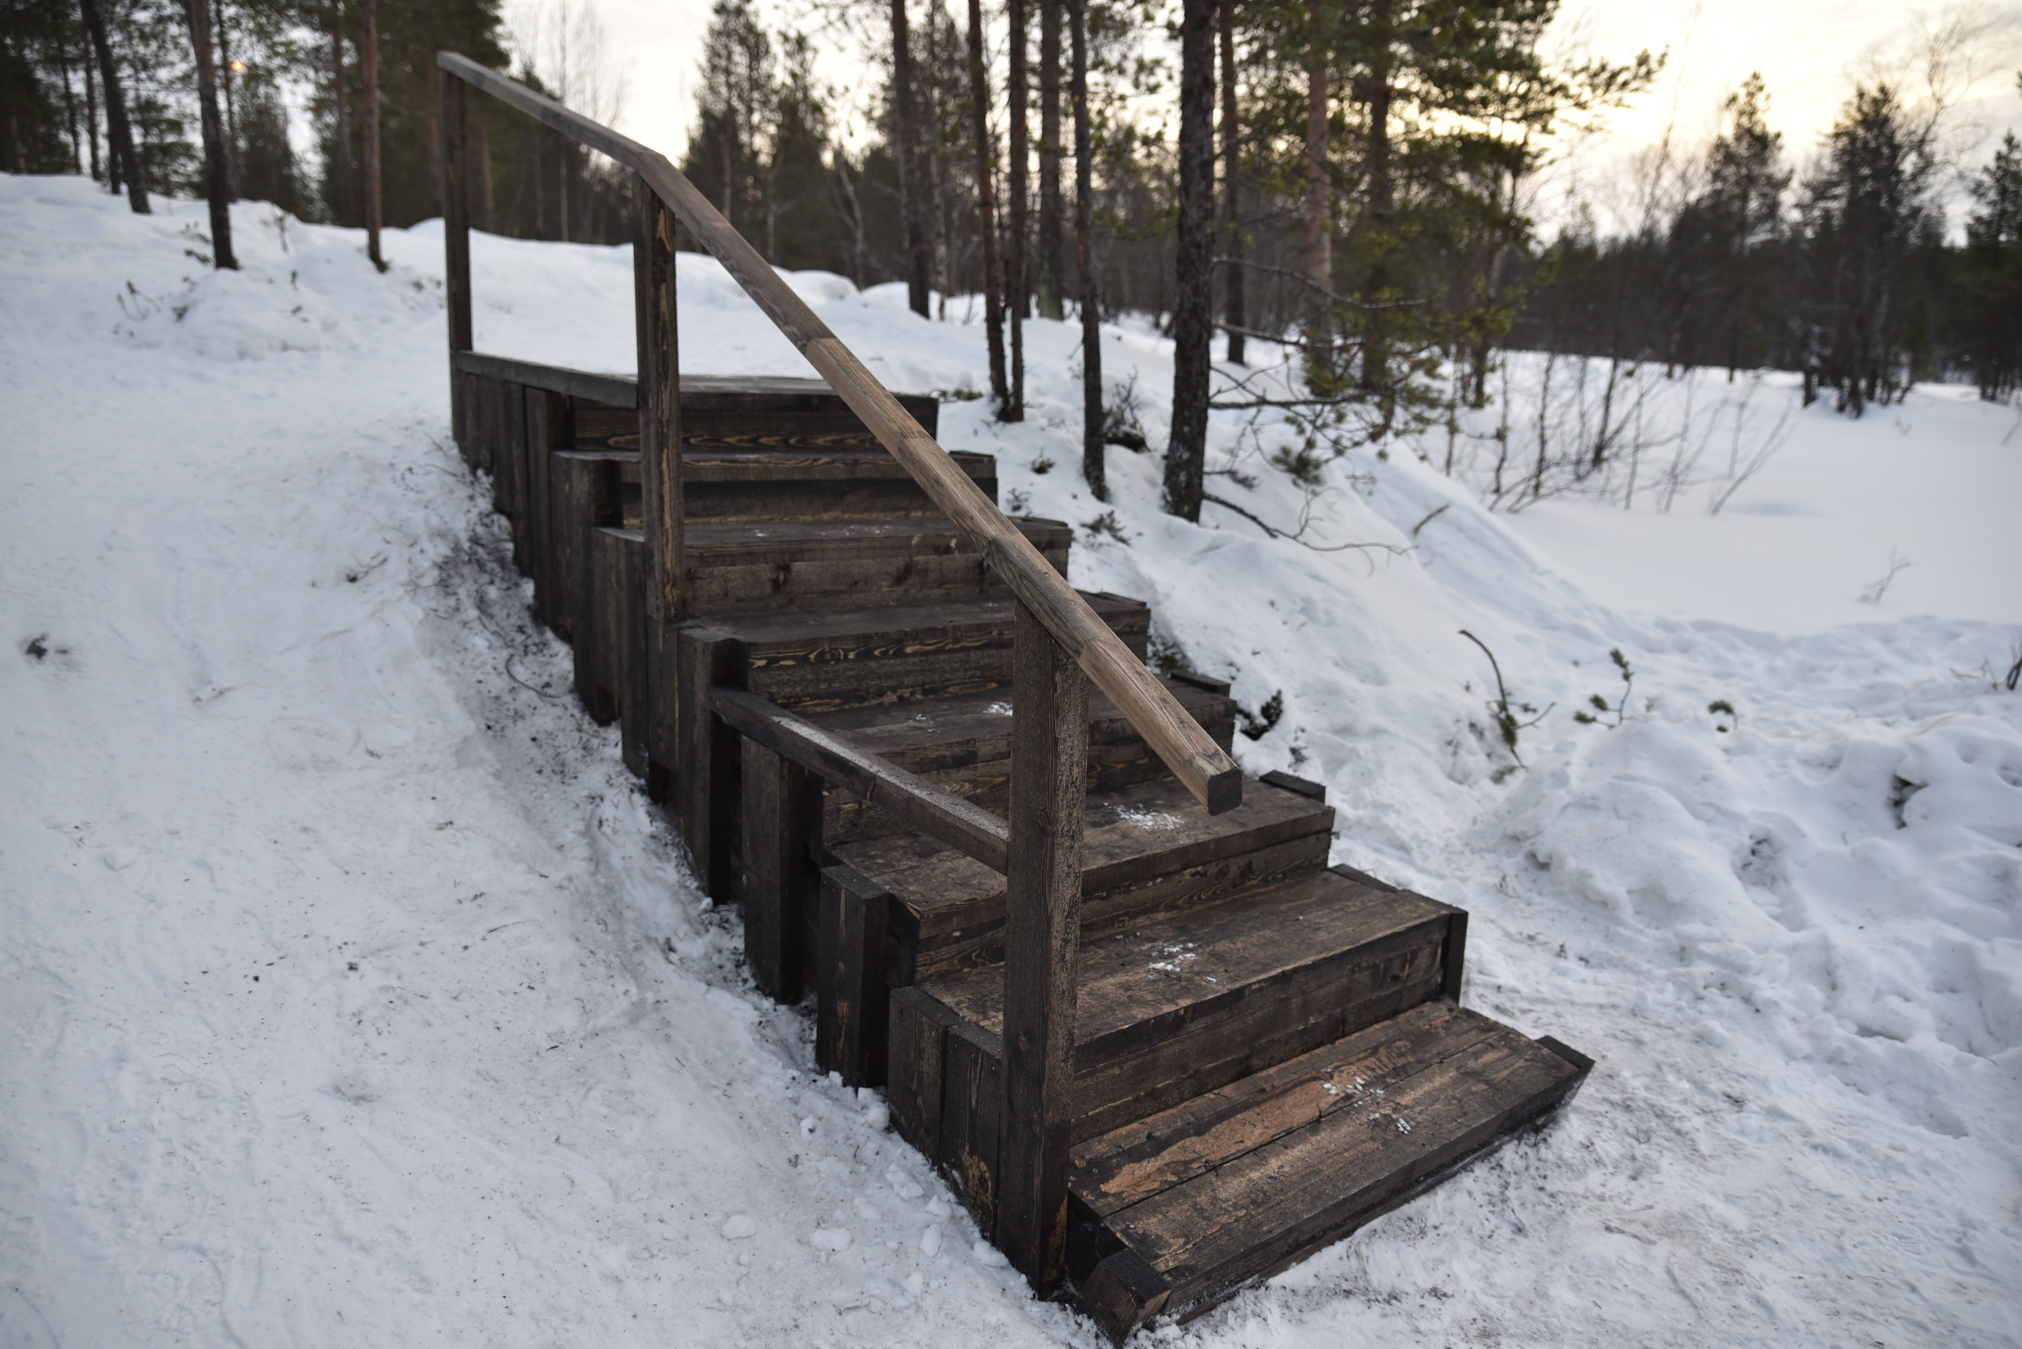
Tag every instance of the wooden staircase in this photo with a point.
(1269, 1050)
(1160, 1047)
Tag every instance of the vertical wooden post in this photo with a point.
(455, 242)
(659, 402)
(369, 53)
(1042, 946)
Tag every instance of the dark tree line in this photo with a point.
(1842, 272)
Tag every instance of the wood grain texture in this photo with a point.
(705, 772)
(973, 831)
(852, 990)
(780, 881)
(455, 233)
(554, 378)
(1263, 1208)
(1042, 941)
(659, 405)
(917, 1045)
(1192, 755)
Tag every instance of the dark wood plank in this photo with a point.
(917, 1045)
(1135, 1162)
(777, 870)
(455, 235)
(852, 990)
(972, 1120)
(1135, 836)
(1042, 941)
(975, 832)
(1264, 1208)
(705, 771)
(545, 419)
(556, 379)
(628, 611)
(659, 403)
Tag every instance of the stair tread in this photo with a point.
(897, 622)
(1137, 984)
(708, 457)
(712, 542)
(1130, 833)
(1238, 1183)
(932, 722)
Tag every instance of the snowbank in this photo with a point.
(355, 996)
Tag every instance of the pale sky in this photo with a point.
(1809, 52)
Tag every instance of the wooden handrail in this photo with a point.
(960, 824)
(1192, 755)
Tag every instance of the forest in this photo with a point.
(1340, 202)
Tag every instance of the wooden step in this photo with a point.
(787, 562)
(719, 410)
(962, 744)
(814, 659)
(1172, 1009)
(1147, 849)
(1175, 1212)
(847, 482)
(901, 907)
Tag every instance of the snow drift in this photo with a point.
(355, 996)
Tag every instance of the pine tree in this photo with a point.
(1992, 274)
(1864, 208)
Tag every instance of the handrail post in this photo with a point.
(659, 402)
(1042, 943)
(455, 245)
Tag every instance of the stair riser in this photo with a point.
(707, 418)
(1160, 1062)
(1155, 1063)
(980, 941)
(951, 576)
(1189, 1248)
(925, 667)
(980, 770)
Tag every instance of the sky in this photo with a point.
(1809, 52)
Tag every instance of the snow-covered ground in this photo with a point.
(352, 994)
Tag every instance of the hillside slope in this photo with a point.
(356, 996)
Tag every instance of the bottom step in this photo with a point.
(1174, 1213)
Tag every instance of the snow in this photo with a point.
(355, 995)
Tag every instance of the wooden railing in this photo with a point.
(1060, 646)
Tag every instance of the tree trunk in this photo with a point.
(1381, 209)
(1193, 308)
(368, 52)
(1084, 256)
(912, 183)
(1050, 208)
(225, 73)
(91, 113)
(1232, 170)
(119, 131)
(986, 213)
(347, 204)
(1317, 206)
(1015, 287)
(70, 112)
(198, 13)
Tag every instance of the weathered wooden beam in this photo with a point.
(455, 237)
(554, 378)
(906, 796)
(1042, 950)
(852, 997)
(779, 875)
(659, 399)
(1195, 759)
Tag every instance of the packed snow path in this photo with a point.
(354, 995)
